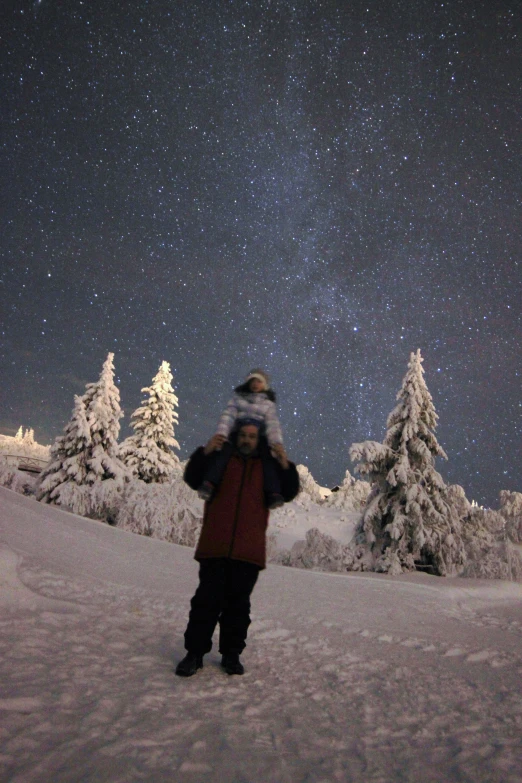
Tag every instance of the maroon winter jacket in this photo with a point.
(235, 521)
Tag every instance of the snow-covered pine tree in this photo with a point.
(408, 519)
(351, 495)
(87, 452)
(19, 434)
(28, 438)
(309, 489)
(148, 453)
(103, 412)
(511, 510)
(69, 454)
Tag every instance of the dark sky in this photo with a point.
(316, 188)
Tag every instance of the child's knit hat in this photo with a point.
(250, 422)
(261, 375)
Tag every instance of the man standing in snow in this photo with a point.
(231, 549)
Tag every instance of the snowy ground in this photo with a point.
(349, 677)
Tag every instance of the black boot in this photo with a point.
(206, 491)
(274, 501)
(231, 663)
(189, 665)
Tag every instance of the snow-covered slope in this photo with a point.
(361, 678)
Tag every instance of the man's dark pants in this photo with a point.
(223, 596)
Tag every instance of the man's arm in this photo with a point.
(215, 444)
(274, 434)
(199, 461)
(196, 468)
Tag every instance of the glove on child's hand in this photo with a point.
(279, 453)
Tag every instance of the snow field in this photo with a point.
(349, 677)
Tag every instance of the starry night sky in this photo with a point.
(316, 188)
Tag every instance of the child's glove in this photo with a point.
(279, 453)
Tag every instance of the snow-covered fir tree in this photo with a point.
(69, 454)
(102, 407)
(28, 438)
(351, 495)
(20, 433)
(309, 489)
(87, 452)
(511, 510)
(408, 520)
(148, 453)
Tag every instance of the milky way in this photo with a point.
(315, 188)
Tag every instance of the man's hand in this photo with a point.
(215, 444)
(279, 453)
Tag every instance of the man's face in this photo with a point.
(247, 439)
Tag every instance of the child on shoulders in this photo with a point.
(253, 402)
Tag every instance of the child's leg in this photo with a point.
(218, 465)
(271, 482)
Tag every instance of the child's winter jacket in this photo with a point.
(251, 405)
